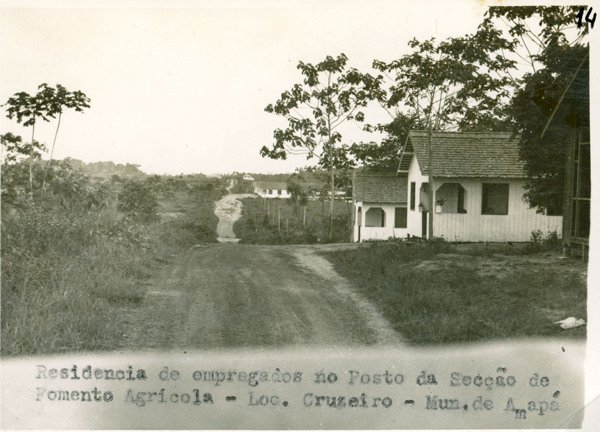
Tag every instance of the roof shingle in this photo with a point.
(380, 188)
(468, 154)
(271, 185)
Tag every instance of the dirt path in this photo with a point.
(233, 295)
(228, 209)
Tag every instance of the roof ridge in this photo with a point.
(460, 132)
(376, 174)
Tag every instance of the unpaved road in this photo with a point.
(229, 209)
(235, 295)
(231, 295)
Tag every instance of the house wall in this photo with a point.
(414, 216)
(265, 193)
(376, 233)
(472, 226)
(517, 225)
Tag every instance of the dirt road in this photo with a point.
(232, 295)
(229, 209)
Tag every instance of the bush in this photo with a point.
(138, 201)
(540, 243)
(72, 264)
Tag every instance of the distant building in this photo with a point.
(247, 177)
(266, 189)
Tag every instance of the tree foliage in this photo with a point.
(14, 148)
(566, 72)
(555, 85)
(48, 103)
(457, 83)
(383, 156)
(330, 95)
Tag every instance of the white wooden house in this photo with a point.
(379, 206)
(478, 186)
(266, 189)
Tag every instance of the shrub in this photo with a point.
(138, 201)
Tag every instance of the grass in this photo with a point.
(69, 278)
(276, 221)
(433, 300)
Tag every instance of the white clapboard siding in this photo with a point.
(376, 233)
(493, 228)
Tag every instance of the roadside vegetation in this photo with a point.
(76, 252)
(284, 221)
(435, 293)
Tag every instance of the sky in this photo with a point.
(181, 87)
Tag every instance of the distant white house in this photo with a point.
(380, 206)
(247, 177)
(478, 186)
(266, 189)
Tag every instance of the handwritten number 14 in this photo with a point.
(589, 18)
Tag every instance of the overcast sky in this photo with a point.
(183, 89)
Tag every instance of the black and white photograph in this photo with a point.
(297, 215)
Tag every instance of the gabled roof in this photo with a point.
(271, 185)
(380, 188)
(465, 154)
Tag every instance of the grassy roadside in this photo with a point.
(435, 293)
(276, 221)
(69, 277)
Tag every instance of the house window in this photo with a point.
(450, 198)
(270, 191)
(460, 207)
(375, 217)
(494, 199)
(278, 191)
(413, 187)
(400, 217)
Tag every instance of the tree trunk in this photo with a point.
(31, 156)
(430, 180)
(331, 175)
(304, 217)
(332, 191)
(51, 151)
(430, 171)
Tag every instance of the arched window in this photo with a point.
(375, 217)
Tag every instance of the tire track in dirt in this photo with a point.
(384, 332)
(234, 295)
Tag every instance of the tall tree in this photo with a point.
(27, 110)
(58, 100)
(331, 94)
(457, 83)
(47, 103)
(528, 30)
